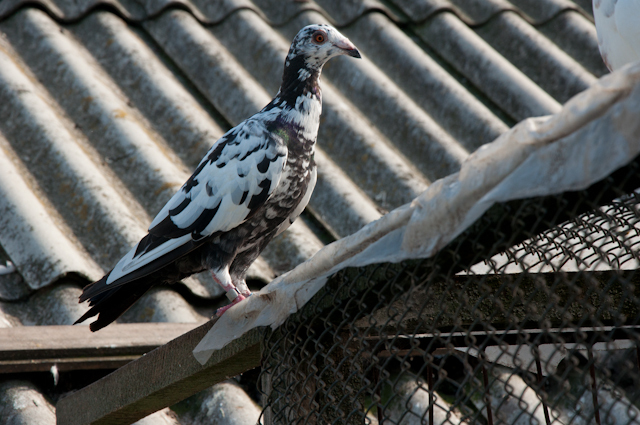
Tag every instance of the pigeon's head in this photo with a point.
(314, 45)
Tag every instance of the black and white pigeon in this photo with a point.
(251, 185)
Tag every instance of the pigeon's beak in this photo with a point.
(347, 48)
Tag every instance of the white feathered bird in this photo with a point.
(618, 27)
(252, 184)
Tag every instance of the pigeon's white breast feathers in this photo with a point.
(305, 114)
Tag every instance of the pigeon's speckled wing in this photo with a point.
(237, 175)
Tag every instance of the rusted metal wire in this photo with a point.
(547, 420)
(594, 385)
(485, 382)
(431, 390)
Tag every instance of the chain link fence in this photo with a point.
(531, 316)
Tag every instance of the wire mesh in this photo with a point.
(531, 316)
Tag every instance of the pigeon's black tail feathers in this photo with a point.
(111, 304)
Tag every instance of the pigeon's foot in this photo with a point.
(235, 301)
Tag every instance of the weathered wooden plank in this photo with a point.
(38, 348)
(54, 340)
(159, 379)
(65, 364)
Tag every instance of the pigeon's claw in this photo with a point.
(239, 297)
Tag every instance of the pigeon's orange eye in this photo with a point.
(319, 37)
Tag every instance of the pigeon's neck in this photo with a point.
(299, 102)
(300, 79)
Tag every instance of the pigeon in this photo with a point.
(618, 28)
(250, 186)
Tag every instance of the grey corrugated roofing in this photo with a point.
(107, 106)
(340, 13)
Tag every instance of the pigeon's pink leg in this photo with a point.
(222, 310)
(223, 279)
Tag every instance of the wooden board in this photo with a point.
(38, 348)
(159, 379)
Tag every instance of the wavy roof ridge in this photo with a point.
(131, 12)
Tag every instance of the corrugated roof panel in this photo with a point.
(576, 36)
(586, 6)
(276, 12)
(490, 72)
(165, 416)
(478, 12)
(470, 11)
(54, 305)
(152, 85)
(40, 244)
(209, 65)
(70, 10)
(162, 305)
(338, 202)
(206, 11)
(22, 403)
(58, 305)
(340, 13)
(536, 56)
(12, 285)
(540, 11)
(94, 103)
(63, 166)
(392, 50)
(6, 319)
(365, 155)
(224, 403)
